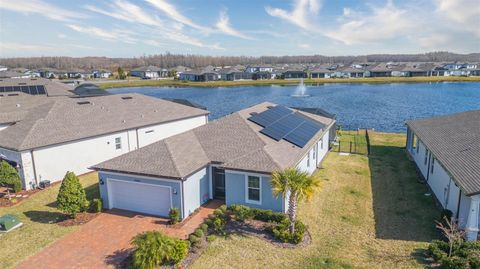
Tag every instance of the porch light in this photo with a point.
(174, 191)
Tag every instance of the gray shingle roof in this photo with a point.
(52, 88)
(232, 141)
(454, 140)
(49, 121)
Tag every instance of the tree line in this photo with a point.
(169, 60)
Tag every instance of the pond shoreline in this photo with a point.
(279, 82)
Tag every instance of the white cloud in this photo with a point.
(11, 46)
(464, 13)
(40, 7)
(224, 26)
(434, 41)
(301, 15)
(109, 35)
(387, 22)
(172, 12)
(304, 46)
(126, 11)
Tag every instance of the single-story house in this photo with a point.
(231, 159)
(149, 72)
(200, 75)
(446, 150)
(234, 74)
(259, 68)
(294, 74)
(101, 74)
(262, 75)
(48, 136)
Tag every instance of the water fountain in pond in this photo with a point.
(300, 90)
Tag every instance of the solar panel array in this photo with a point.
(280, 122)
(28, 89)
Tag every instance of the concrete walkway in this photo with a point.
(105, 241)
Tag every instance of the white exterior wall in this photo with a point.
(53, 162)
(319, 155)
(150, 134)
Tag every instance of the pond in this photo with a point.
(384, 107)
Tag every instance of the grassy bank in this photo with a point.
(370, 213)
(38, 214)
(221, 83)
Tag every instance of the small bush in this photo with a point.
(209, 222)
(268, 215)
(96, 205)
(282, 233)
(193, 239)
(211, 238)
(199, 233)
(174, 215)
(204, 228)
(464, 254)
(219, 225)
(71, 197)
(241, 212)
(435, 250)
(454, 262)
(153, 249)
(9, 177)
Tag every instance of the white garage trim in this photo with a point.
(110, 197)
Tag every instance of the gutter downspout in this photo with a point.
(138, 143)
(428, 166)
(34, 169)
(182, 202)
(459, 201)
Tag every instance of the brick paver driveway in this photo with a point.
(105, 241)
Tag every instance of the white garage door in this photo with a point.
(139, 197)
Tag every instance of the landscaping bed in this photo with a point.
(80, 218)
(15, 198)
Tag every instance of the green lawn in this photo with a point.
(370, 213)
(221, 83)
(38, 214)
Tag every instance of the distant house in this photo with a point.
(46, 137)
(230, 159)
(259, 68)
(294, 74)
(206, 74)
(234, 74)
(149, 72)
(3, 68)
(446, 150)
(12, 74)
(101, 74)
(261, 75)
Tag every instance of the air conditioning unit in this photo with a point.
(44, 183)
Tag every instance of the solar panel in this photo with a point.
(16, 88)
(41, 89)
(25, 89)
(280, 122)
(9, 89)
(33, 90)
(2, 89)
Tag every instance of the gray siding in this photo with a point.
(235, 185)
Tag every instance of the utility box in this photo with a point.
(9, 222)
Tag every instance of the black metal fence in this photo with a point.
(354, 142)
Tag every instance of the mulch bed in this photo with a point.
(15, 198)
(260, 229)
(80, 218)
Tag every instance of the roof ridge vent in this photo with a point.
(84, 103)
(127, 97)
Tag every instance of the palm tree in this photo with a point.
(297, 186)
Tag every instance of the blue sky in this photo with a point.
(126, 28)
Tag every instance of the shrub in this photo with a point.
(436, 251)
(96, 205)
(174, 215)
(9, 177)
(204, 228)
(241, 212)
(211, 238)
(464, 254)
(281, 232)
(153, 249)
(193, 239)
(268, 215)
(199, 233)
(209, 222)
(71, 197)
(219, 225)
(454, 262)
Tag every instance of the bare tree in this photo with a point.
(452, 232)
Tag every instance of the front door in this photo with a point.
(218, 183)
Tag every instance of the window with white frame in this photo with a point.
(321, 143)
(433, 165)
(308, 159)
(314, 151)
(118, 143)
(426, 156)
(418, 145)
(254, 189)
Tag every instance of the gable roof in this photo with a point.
(454, 140)
(46, 121)
(232, 141)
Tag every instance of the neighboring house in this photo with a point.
(255, 69)
(200, 75)
(35, 86)
(48, 136)
(294, 74)
(3, 68)
(101, 74)
(234, 74)
(149, 72)
(12, 74)
(231, 159)
(446, 150)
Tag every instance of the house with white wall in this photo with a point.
(446, 150)
(149, 72)
(231, 159)
(47, 136)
